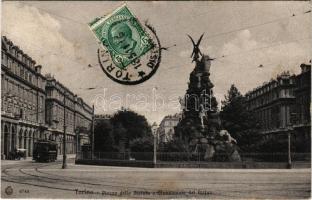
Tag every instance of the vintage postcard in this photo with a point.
(156, 99)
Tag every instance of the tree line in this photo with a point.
(129, 131)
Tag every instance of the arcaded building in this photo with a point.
(23, 100)
(32, 106)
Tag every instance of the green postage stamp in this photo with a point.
(122, 35)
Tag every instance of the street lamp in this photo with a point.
(77, 131)
(289, 151)
(290, 129)
(154, 130)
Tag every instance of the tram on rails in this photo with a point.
(45, 151)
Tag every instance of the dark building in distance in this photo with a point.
(302, 116)
(283, 105)
(32, 105)
(78, 115)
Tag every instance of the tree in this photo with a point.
(144, 144)
(129, 126)
(241, 124)
(176, 145)
(103, 136)
(120, 137)
(136, 125)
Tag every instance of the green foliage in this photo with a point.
(144, 144)
(136, 125)
(120, 133)
(125, 128)
(176, 145)
(241, 124)
(103, 136)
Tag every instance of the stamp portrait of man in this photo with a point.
(121, 38)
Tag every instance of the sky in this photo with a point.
(240, 35)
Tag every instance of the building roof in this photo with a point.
(272, 83)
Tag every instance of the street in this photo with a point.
(47, 180)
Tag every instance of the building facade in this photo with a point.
(302, 109)
(83, 121)
(272, 103)
(31, 106)
(23, 100)
(165, 130)
(283, 105)
(77, 118)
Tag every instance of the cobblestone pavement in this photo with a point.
(27, 179)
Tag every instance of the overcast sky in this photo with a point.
(55, 34)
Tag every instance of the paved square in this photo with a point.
(36, 180)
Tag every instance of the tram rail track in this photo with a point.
(45, 181)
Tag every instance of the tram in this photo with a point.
(45, 151)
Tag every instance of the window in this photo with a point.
(26, 94)
(9, 63)
(2, 86)
(6, 84)
(49, 93)
(30, 96)
(14, 88)
(17, 72)
(18, 90)
(13, 66)
(286, 81)
(22, 72)
(20, 57)
(41, 101)
(21, 113)
(9, 86)
(4, 58)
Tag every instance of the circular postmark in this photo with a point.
(8, 190)
(141, 68)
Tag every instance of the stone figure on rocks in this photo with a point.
(202, 115)
(228, 138)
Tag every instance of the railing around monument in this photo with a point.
(194, 157)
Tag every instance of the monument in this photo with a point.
(200, 126)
